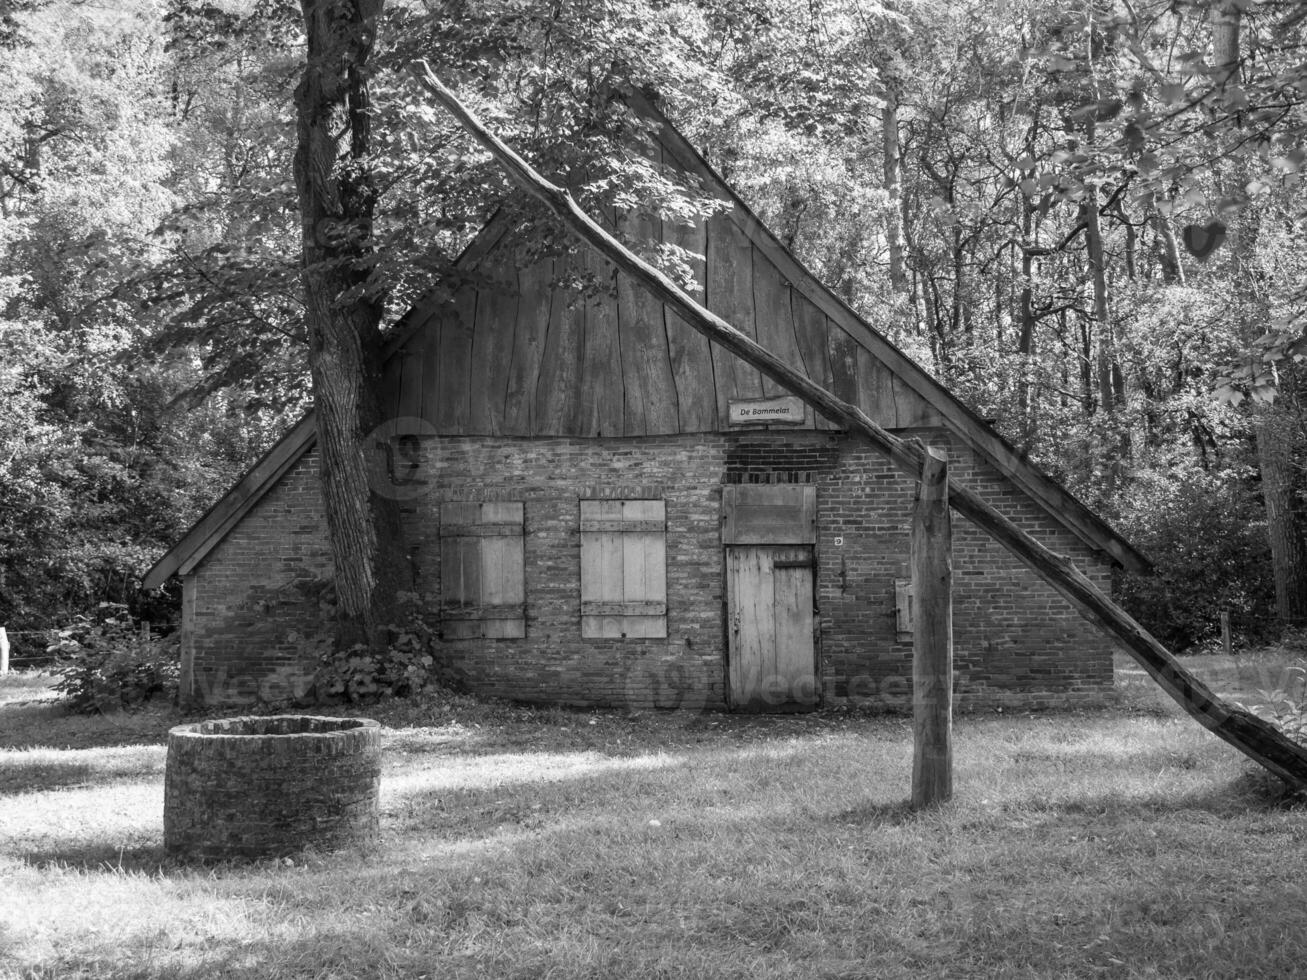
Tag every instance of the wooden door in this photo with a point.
(772, 662)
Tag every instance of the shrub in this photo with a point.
(1286, 706)
(404, 668)
(111, 663)
(1206, 534)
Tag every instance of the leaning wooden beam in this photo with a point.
(1258, 739)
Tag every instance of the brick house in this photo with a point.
(603, 508)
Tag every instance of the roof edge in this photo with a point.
(205, 534)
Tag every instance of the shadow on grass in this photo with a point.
(50, 725)
(149, 859)
(22, 777)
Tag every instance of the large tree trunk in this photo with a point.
(343, 313)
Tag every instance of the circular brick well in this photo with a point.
(271, 786)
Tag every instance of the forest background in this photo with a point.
(1086, 221)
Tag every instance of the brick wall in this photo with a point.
(1016, 642)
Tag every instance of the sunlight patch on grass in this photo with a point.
(487, 771)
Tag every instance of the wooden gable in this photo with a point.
(516, 354)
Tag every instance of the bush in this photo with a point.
(405, 668)
(111, 663)
(1206, 535)
(1286, 706)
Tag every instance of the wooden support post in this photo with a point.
(1257, 738)
(932, 636)
(4, 651)
(1227, 642)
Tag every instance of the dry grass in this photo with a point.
(518, 843)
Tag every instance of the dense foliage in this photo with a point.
(1087, 221)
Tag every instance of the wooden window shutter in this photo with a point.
(623, 568)
(482, 571)
(903, 595)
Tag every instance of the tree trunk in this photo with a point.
(893, 165)
(343, 315)
(1278, 435)
(1102, 312)
(1168, 249)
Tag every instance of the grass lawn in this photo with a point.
(543, 843)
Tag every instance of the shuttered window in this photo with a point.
(903, 596)
(482, 571)
(623, 568)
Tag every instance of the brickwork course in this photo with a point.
(258, 594)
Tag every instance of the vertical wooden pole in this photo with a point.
(4, 651)
(1227, 642)
(932, 636)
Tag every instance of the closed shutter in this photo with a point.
(482, 571)
(623, 568)
(903, 612)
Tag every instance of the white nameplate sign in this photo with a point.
(786, 410)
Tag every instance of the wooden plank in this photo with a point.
(460, 572)
(810, 328)
(601, 569)
(431, 337)
(644, 567)
(648, 386)
(481, 530)
(730, 296)
(453, 390)
(601, 402)
(408, 402)
(844, 365)
(749, 601)
(691, 354)
(465, 611)
(534, 309)
(913, 411)
(558, 388)
(775, 319)
(932, 636)
(492, 350)
(626, 607)
(903, 609)
(388, 392)
(503, 579)
(795, 658)
(769, 513)
(876, 391)
(621, 525)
